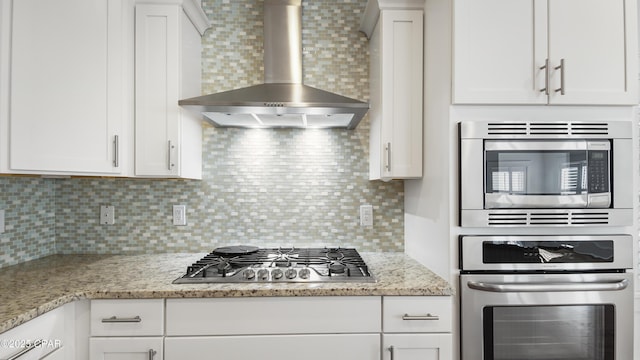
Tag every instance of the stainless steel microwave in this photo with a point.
(546, 173)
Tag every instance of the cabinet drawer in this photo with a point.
(417, 346)
(275, 347)
(123, 348)
(127, 317)
(48, 327)
(417, 314)
(274, 315)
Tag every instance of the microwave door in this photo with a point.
(537, 174)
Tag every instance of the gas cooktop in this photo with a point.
(250, 264)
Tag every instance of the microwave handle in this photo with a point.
(550, 287)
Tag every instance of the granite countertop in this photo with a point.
(35, 287)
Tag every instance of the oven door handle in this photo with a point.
(548, 287)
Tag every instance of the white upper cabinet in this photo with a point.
(64, 86)
(168, 140)
(396, 82)
(68, 103)
(545, 52)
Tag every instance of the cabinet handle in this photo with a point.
(391, 352)
(420, 317)
(561, 68)
(170, 164)
(545, 67)
(152, 354)
(28, 348)
(388, 150)
(113, 319)
(116, 151)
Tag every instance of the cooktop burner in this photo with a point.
(249, 264)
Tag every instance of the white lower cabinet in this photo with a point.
(416, 346)
(274, 328)
(276, 347)
(40, 338)
(274, 315)
(129, 348)
(417, 328)
(129, 329)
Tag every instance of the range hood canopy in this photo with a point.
(282, 101)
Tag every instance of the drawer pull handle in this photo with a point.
(114, 319)
(391, 352)
(28, 348)
(420, 317)
(152, 354)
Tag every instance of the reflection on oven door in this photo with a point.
(551, 332)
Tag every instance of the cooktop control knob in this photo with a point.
(276, 274)
(304, 273)
(291, 273)
(249, 274)
(263, 274)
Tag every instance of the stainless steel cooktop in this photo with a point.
(249, 264)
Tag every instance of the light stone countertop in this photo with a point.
(35, 287)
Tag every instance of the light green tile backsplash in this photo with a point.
(266, 187)
(29, 205)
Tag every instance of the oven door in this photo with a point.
(547, 174)
(547, 316)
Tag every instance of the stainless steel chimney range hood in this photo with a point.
(282, 101)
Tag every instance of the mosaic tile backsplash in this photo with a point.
(267, 187)
(29, 206)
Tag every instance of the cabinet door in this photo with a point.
(402, 44)
(157, 89)
(396, 99)
(127, 317)
(133, 348)
(66, 110)
(596, 39)
(48, 327)
(417, 314)
(417, 347)
(276, 347)
(499, 49)
(168, 52)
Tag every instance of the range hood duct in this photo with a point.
(282, 101)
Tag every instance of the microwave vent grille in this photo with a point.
(558, 218)
(547, 128)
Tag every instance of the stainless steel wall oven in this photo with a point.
(545, 173)
(546, 297)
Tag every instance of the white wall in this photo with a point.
(429, 216)
(427, 201)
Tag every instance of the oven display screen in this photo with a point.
(569, 252)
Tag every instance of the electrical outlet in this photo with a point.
(180, 215)
(107, 215)
(366, 215)
(1, 221)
